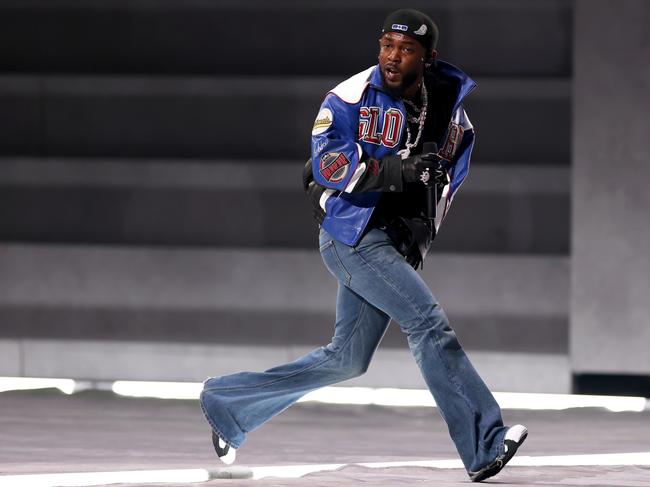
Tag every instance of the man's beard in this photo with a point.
(407, 80)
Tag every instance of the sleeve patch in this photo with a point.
(323, 121)
(334, 166)
(454, 137)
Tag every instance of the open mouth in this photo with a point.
(392, 73)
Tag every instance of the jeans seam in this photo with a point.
(436, 341)
(317, 364)
(348, 277)
(329, 243)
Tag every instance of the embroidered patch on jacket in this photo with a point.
(323, 121)
(334, 166)
(454, 137)
(391, 126)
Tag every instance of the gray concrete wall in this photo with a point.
(236, 203)
(139, 235)
(202, 117)
(316, 38)
(610, 265)
(110, 293)
(105, 361)
(84, 312)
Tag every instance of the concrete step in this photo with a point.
(104, 360)
(283, 37)
(261, 297)
(500, 208)
(256, 118)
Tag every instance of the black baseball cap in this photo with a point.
(414, 24)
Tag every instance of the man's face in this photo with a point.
(400, 61)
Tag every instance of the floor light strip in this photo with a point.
(348, 395)
(67, 386)
(399, 397)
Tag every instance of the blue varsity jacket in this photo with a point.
(359, 123)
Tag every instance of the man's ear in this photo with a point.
(430, 57)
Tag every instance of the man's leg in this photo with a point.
(378, 273)
(237, 404)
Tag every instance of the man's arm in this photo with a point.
(338, 162)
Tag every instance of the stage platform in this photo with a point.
(47, 432)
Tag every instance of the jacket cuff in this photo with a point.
(392, 169)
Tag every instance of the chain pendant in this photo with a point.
(404, 153)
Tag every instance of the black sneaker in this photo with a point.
(515, 436)
(225, 452)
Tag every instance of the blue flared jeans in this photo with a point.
(376, 285)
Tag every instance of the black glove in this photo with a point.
(314, 192)
(414, 168)
(307, 175)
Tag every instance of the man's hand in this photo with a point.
(424, 168)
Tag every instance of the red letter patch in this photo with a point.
(454, 137)
(391, 126)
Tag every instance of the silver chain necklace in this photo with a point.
(419, 120)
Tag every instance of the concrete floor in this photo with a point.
(48, 432)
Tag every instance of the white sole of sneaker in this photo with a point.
(225, 452)
(229, 457)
